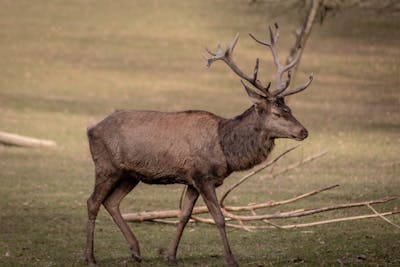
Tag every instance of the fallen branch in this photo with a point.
(19, 140)
(288, 226)
(242, 221)
(153, 215)
(159, 215)
(305, 212)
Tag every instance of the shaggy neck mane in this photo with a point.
(244, 141)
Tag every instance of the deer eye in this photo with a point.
(276, 114)
(286, 110)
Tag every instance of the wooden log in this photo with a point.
(19, 140)
(153, 215)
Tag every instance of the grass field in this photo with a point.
(66, 64)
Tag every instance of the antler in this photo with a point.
(281, 70)
(226, 56)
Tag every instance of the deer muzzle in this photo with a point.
(303, 133)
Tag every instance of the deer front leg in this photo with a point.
(190, 199)
(207, 191)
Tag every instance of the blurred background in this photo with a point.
(67, 64)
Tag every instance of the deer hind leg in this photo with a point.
(190, 199)
(208, 193)
(112, 202)
(104, 185)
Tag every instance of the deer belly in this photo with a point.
(163, 180)
(157, 172)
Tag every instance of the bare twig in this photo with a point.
(167, 221)
(278, 203)
(279, 172)
(296, 164)
(344, 219)
(382, 217)
(267, 221)
(255, 171)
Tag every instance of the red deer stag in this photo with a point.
(195, 148)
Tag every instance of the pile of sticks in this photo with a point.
(234, 214)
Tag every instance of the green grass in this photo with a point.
(66, 64)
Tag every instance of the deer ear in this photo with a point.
(254, 97)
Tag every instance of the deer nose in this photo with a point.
(303, 133)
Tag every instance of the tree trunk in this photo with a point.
(303, 34)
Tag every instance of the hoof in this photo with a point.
(137, 258)
(172, 261)
(233, 264)
(135, 253)
(90, 261)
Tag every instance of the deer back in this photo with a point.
(162, 147)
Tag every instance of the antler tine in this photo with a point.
(285, 86)
(280, 85)
(273, 39)
(252, 91)
(218, 54)
(255, 72)
(293, 62)
(226, 56)
(271, 35)
(209, 51)
(248, 89)
(264, 89)
(267, 86)
(277, 31)
(233, 44)
(271, 45)
(259, 41)
(298, 89)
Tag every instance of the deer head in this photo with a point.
(274, 114)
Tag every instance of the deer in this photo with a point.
(195, 148)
